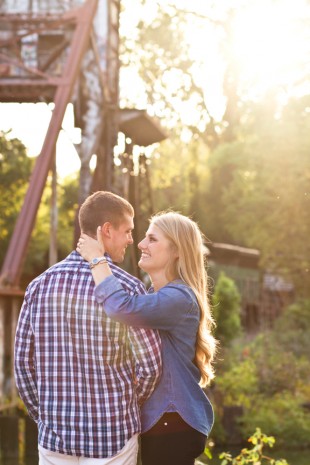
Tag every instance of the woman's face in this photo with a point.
(157, 251)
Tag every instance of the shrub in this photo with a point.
(226, 309)
(255, 455)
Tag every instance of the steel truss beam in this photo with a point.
(82, 19)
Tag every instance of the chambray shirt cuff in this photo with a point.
(106, 288)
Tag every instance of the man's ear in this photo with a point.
(106, 229)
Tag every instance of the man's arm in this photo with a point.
(25, 375)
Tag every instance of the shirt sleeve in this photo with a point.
(146, 349)
(145, 343)
(25, 375)
(161, 310)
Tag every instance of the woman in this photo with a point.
(178, 416)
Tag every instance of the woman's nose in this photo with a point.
(141, 244)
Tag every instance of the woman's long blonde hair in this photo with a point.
(187, 238)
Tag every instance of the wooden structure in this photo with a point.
(141, 130)
(263, 296)
(242, 265)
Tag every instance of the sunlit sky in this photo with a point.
(269, 43)
(29, 122)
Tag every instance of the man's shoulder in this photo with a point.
(69, 264)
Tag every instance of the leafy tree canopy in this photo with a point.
(15, 171)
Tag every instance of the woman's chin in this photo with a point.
(141, 264)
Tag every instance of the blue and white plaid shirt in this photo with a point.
(80, 374)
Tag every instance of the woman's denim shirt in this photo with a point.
(175, 312)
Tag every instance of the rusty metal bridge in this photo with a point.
(62, 52)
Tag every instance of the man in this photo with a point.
(81, 375)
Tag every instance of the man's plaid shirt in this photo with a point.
(80, 374)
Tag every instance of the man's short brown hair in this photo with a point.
(102, 207)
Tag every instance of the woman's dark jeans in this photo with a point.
(171, 442)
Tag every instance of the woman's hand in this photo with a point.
(90, 248)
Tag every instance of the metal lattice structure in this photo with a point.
(61, 52)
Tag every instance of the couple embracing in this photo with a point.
(99, 360)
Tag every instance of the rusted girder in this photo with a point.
(12, 266)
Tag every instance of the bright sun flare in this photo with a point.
(267, 41)
(270, 41)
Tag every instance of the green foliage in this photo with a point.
(255, 455)
(256, 207)
(67, 208)
(38, 252)
(245, 177)
(269, 378)
(156, 51)
(184, 175)
(223, 162)
(281, 415)
(239, 385)
(226, 310)
(15, 170)
(291, 329)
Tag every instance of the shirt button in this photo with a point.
(165, 423)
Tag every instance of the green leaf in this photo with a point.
(207, 452)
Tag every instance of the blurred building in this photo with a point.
(263, 295)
